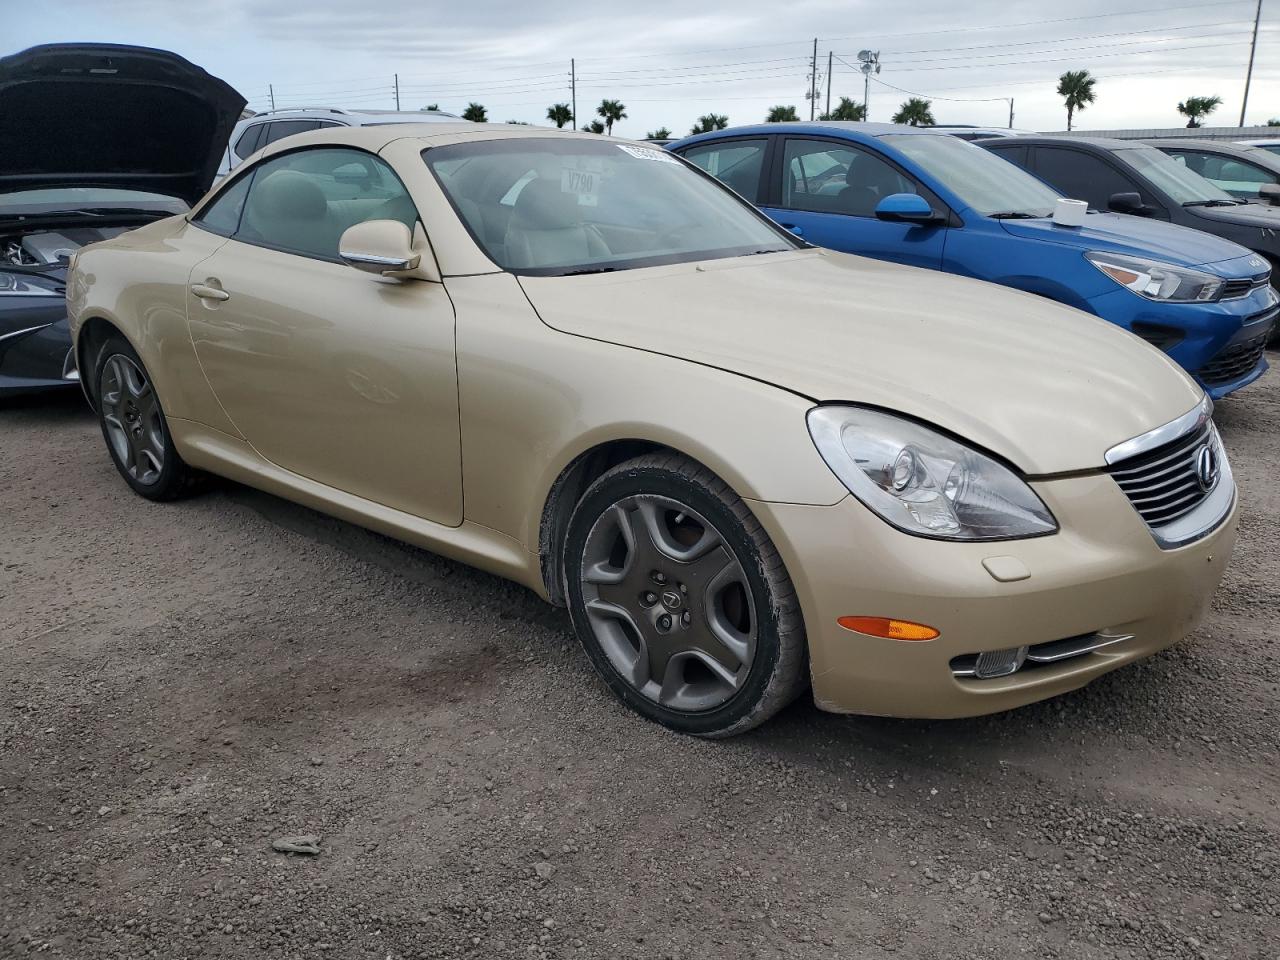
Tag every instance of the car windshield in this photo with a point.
(52, 199)
(982, 180)
(1181, 184)
(560, 206)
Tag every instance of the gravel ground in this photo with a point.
(180, 685)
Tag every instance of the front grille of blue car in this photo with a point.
(1234, 362)
(1235, 289)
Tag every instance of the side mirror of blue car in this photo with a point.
(909, 207)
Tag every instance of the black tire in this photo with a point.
(777, 671)
(163, 474)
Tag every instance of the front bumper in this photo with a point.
(1102, 572)
(1214, 342)
(35, 352)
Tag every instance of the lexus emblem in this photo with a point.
(1207, 467)
(671, 599)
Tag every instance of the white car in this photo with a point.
(254, 133)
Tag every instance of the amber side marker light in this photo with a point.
(887, 628)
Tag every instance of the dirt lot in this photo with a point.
(182, 684)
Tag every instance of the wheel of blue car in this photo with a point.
(134, 427)
(680, 599)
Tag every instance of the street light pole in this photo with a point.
(1244, 105)
(1011, 113)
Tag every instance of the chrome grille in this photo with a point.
(1163, 484)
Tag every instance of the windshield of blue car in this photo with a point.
(557, 206)
(1182, 185)
(983, 181)
(52, 200)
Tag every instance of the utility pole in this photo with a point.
(813, 79)
(573, 90)
(1249, 74)
(1011, 113)
(271, 90)
(397, 76)
(828, 83)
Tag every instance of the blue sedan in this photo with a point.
(924, 198)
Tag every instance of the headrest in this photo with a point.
(542, 205)
(868, 172)
(291, 195)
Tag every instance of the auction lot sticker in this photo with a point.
(646, 153)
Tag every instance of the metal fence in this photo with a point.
(1159, 133)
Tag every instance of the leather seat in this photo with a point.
(546, 229)
(287, 210)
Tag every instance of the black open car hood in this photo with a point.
(110, 115)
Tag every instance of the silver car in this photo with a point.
(255, 132)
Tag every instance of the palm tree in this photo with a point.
(1193, 108)
(611, 111)
(781, 114)
(595, 126)
(475, 113)
(915, 111)
(559, 114)
(709, 122)
(662, 133)
(847, 110)
(1076, 89)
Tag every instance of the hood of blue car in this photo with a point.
(1137, 236)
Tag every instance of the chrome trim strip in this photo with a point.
(1189, 421)
(1207, 515)
(18, 333)
(1066, 649)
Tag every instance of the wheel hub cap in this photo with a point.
(132, 419)
(668, 603)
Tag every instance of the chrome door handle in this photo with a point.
(206, 292)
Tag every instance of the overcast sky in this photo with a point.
(670, 61)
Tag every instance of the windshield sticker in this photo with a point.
(585, 184)
(646, 153)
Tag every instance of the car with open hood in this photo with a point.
(747, 465)
(918, 196)
(97, 139)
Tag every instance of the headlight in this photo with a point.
(1155, 280)
(16, 285)
(922, 481)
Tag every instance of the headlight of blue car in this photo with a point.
(1155, 280)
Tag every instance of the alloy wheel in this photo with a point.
(669, 603)
(132, 417)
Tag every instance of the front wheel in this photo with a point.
(134, 427)
(681, 600)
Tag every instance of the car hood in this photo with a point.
(110, 115)
(1135, 235)
(1245, 214)
(1047, 387)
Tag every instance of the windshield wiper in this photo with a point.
(756, 253)
(587, 270)
(1015, 215)
(1213, 203)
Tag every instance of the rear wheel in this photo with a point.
(680, 599)
(134, 427)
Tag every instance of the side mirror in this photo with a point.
(905, 207)
(1126, 203)
(1270, 192)
(378, 246)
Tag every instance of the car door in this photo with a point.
(826, 191)
(1084, 175)
(737, 162)
(338, 376)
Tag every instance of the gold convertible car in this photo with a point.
(747, 466)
